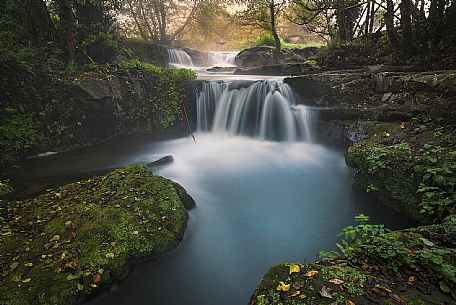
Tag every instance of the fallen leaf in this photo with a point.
(298, 285)
(383, 288)
(411, 279)
(294, 268)
(311, 273)
(325, 292)
(283, 287)
(71, 265)
(296, 293)
(336, 281)
(96, 278)
(348, 302)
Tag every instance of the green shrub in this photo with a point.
(17, 134)
(266, 39)
(160, 110)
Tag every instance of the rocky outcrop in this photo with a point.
(106, 101)
(147, 51)
(85, 235)
(380, 91)
(282, 69)
(262, 56)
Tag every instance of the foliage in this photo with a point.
(5, 188)
(377, 156)
(442, 264)
(266, 39)
(438, 187)
(161, 109)
(17, 135)
(353, 236)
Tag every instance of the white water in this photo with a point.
(261, 109)
(179, 58)
(221, 59)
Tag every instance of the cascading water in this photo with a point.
(262, 109)
(179, 57)
(221, 58)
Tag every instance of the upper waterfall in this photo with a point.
(263, 109)
(221, 58)
(179, 57)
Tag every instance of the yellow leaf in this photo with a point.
(296, 293)
(386, 134)
(109, 255)
(26, 280)
(311, 273)
(294, 268)
(283, 287)
(412, 279)
(402, 126)
(348, 302)
(383, 288)
(336, 281)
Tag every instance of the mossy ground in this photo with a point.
(399, 159)
(369, 275)
(63, 245)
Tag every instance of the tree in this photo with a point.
(265, 15)
(161, 21)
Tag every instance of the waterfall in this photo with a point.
(262, 109)
(221, 58)
(179, 57)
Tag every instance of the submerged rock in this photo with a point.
(62, 246)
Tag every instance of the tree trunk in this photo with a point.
(135, 18)
(341, 21)
(278, 46)
(389, 21)
(67, 22)
(367, 21)
(38, 22)
(406, 26)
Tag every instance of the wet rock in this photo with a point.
(356, 135)
(162, 161)
(281, 69)
(261, 56)
(221, 69)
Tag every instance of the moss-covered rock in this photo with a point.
(408, 166)
(405, 267)
(67, 243)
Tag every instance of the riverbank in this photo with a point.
(399, 126)
(413, 266)
(86, 107)
(68, 243)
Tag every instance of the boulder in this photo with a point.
(261, 56)
(162, 161)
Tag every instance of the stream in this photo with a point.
(266, 193)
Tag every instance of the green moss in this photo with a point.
(401, 266)
(60, 247)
